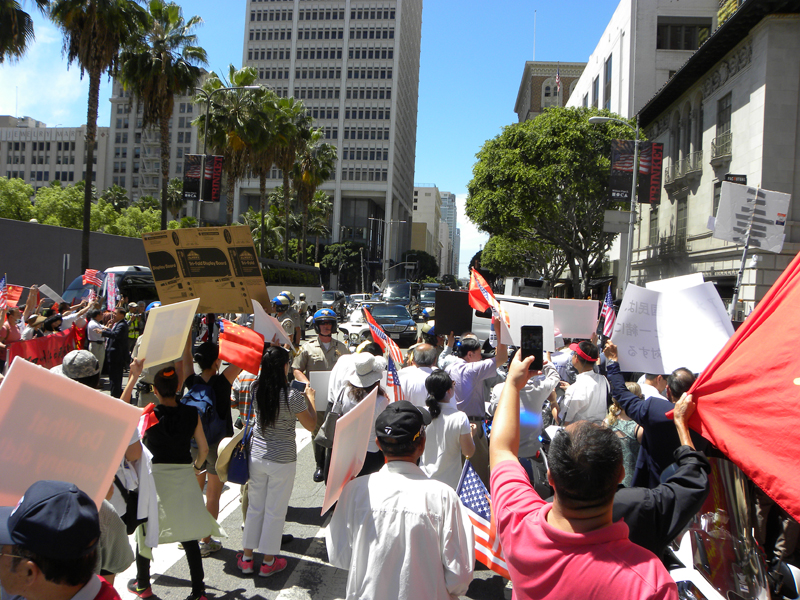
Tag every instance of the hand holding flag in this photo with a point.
(608, 313)
(91, 277)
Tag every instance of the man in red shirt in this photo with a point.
(49, 545)
(570, 548)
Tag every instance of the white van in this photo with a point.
(482, 321)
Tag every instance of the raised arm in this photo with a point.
(501, 354)
(308, 418)
(633, 406)
(505, 428)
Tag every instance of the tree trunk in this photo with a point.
(165, 169)
(316, 248)
(304, 236)
(286, 213)
(262, 185)
(229, 203)
(91, 136)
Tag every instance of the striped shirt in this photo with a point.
(277, 443)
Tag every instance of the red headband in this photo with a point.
(577, 349)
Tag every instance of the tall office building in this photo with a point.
(355, 65)
(450, 216)
(427, 217)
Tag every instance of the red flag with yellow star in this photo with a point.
(240, 346)
(747, 398)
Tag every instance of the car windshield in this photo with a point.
(429, 295)
(399, 292)
(390, 312)
(328, 296)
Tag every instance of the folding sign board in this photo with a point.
(166, 332)
(453, 312)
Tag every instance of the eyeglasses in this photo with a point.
(2, 554)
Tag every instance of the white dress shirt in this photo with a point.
(401, 536)
(649, 391)
(412, 382)
(585, 400)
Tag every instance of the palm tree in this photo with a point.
(16, 28)
(316, 163)
(233, 124)
(319, 214)
(175, 201)
(161, 62)
(94, 31)
(265, 147)
(295, 129)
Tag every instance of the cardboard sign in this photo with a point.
(453, 312)
(349, 447)
(320, 380)
(50, 293)
(166, 332)
(575, 318)
(54, 428)
(268, 326)
(658, 332)
(739, 204)
(676, 283)
(523, 314)
(48, 351)
(219, 265)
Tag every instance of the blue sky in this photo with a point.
(472, 58)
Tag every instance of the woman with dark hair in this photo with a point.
(273, 459)
(448, 436)
(182, 516)
(52, 324)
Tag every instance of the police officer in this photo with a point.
(299, 325)
(281, 304)
(302, 308)
(319, 355)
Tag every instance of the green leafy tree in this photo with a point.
(117, 197)
(145, 202)
(62, 206)
(547, 179)
(512, 257)
(273, 237)
(16, 28)
(94, 31)
(175, 201)
(426, 264)
(133, 222)
(319, 219)
(343, 258)
(15, 200)
(162, 61)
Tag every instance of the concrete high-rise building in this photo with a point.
(39, 154)
(445, 248)
(355, 65)
(450, 215)
(133, 158)
(457, 253)
(540, 87)
(427, 215)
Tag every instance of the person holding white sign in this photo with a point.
(586, 399)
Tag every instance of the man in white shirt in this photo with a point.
(653, 386)
(401, 535)
(586, 399)
(412, 379)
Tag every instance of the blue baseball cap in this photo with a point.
(53, 519)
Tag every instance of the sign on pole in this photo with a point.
(744, 209)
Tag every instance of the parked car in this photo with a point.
(133, 282)
(336, 301)
(394, 318)
(405, 293)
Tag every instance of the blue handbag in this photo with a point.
(239, 465)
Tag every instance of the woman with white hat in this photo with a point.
(369, 370)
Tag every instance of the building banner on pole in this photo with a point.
(212, 181)
(650, 167)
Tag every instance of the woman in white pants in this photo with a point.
(273, 460)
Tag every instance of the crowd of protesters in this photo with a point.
(625, 479)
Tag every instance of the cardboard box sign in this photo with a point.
(453, 312)
(218, 265)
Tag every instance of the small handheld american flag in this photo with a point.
(608, 313)
(90, 277)
(3, 293)
(393, 381)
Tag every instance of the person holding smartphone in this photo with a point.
(273, 460)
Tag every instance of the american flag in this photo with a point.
(475, 498)
(623, 158)
(558, 79)
(90, 277)
(383, 340)
(393, 380)
(608, 313)
(3, 294)
(92, 296)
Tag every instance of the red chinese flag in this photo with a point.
(477, 299)
(240, 346)
(747, 398)
(14, 294)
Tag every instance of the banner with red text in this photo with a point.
(46, 351)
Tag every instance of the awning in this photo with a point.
(601, 281)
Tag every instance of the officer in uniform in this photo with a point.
(302, 308)
(281, 304)
(319, 355)
(299, 325)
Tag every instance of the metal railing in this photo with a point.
(692, 163)
(721, 145)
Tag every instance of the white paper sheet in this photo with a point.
(575, 318)
(676, 283)
(52, 427)
(349, 447)
(268, 326)
(50, 293)
(658, 332)
(523, 314)
(166, 332)
(319, 380)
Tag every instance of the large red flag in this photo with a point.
(240, 346)
(748, 398)
(14, 294)
(481, 296)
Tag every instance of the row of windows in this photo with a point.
(365, 174)
(369, 73)
(124, 108)
(371, 53)
(367, 114)
(329, 113)
(320, 34)
(368, 94)
(271, 35)
(371, 34)
(42, 160)
(373, 133)
(318, 53)
(371, 14)
(120, 152)
(121, 138)
(365, 154)
(326, 15)
(40, 146)
(271, 15)
(316, 74)
(273, 74)
(267, 54)
(316, 93)
(314, 15)
(186, 107)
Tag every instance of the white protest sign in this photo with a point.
(524, 314)
(50, 293)
(575, 318)
(319, 380)
(166, 332)
(349, 447)
(268, 326)
(676, 283)
(52, 427)
(768, 210)
(658, 332)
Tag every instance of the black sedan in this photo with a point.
(396, 322)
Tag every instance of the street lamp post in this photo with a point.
(628, 272)
(205, 146)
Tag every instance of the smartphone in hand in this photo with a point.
(532, 345)
(298, 385)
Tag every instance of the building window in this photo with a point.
(607, 86)
(724, 114)
(680, 222)
(586, 101)
(682, 33)
(653, 237)
(596, 92)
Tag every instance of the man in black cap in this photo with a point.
(49, 545)
(386, 525)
